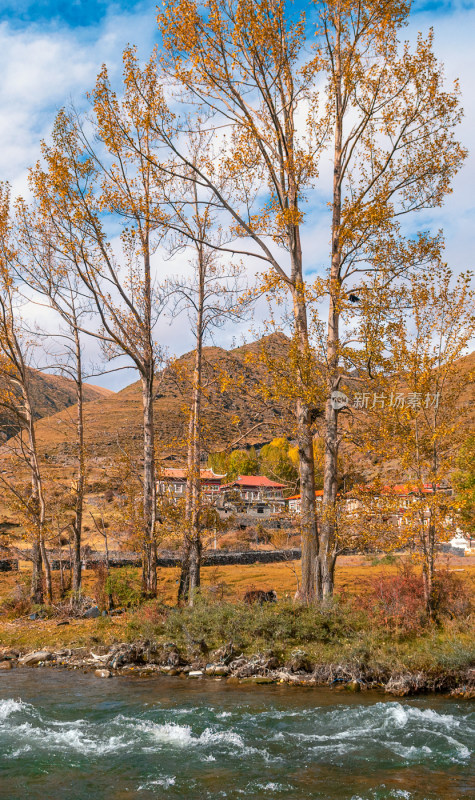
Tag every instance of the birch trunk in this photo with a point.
(310, 584)
(81, 473)
(327, 551)
(191, 567)
(149, 566)
(40, 555)
(36, 589)
(194, 459)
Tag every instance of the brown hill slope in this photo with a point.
(50, 394)
(235, 412)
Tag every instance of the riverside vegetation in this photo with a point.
(378, 638)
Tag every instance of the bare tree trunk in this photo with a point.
(41, 560)
(184, 584)
(191, 569)
(310, 584)
(36, 590)
(110, 598)
(428, 533)
(47, 568)
(194, 458)
(61, 570)
(330, 469)
(149, 567)
(81, 472)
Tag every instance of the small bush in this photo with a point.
(58, 590)
(269, 625)
(451, 595)
(99, 591)
(123, 587)
(389, 559)
(18, 604)
(398, 600)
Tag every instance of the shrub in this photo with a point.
(397, 599)
(58, 590)
(268, 625)
(18, 604)
(451, 596)
(99, 590)
(123, 587)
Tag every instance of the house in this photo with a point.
(404, 494)
(172, 482)
(252, 494)
(295, 502)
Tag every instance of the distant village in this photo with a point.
(249, 498)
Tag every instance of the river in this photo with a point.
(69, 736)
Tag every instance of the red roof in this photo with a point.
(181, 474)
(255, 481)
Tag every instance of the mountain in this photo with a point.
(50, 394)
(235, 412)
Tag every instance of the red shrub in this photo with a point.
(398, 599)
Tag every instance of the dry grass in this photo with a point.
(352, 575)
(227, 582)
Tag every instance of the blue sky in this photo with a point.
(75, 13)
(51, 51)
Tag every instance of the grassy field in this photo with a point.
(231, 582)
(348, 632)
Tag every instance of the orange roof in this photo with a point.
(399, 488)
(181, 474)
(255, 480)
(318, 493)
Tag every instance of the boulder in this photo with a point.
(5, 665)
(299, 662)
(218, 670)
(196, 673)
(92, 613)
(8, 655)
(103, 673)
(35, 658)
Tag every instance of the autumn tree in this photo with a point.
(92, 189)
(15, 399)
(44, 269)
(414, 414)
(279, 462)
(240, 63)
(210, 296)
(387, 124)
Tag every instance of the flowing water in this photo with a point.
(73, 736)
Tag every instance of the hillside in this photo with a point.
(51, 394)
(234, 410)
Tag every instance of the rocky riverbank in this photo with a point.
(144, 658)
